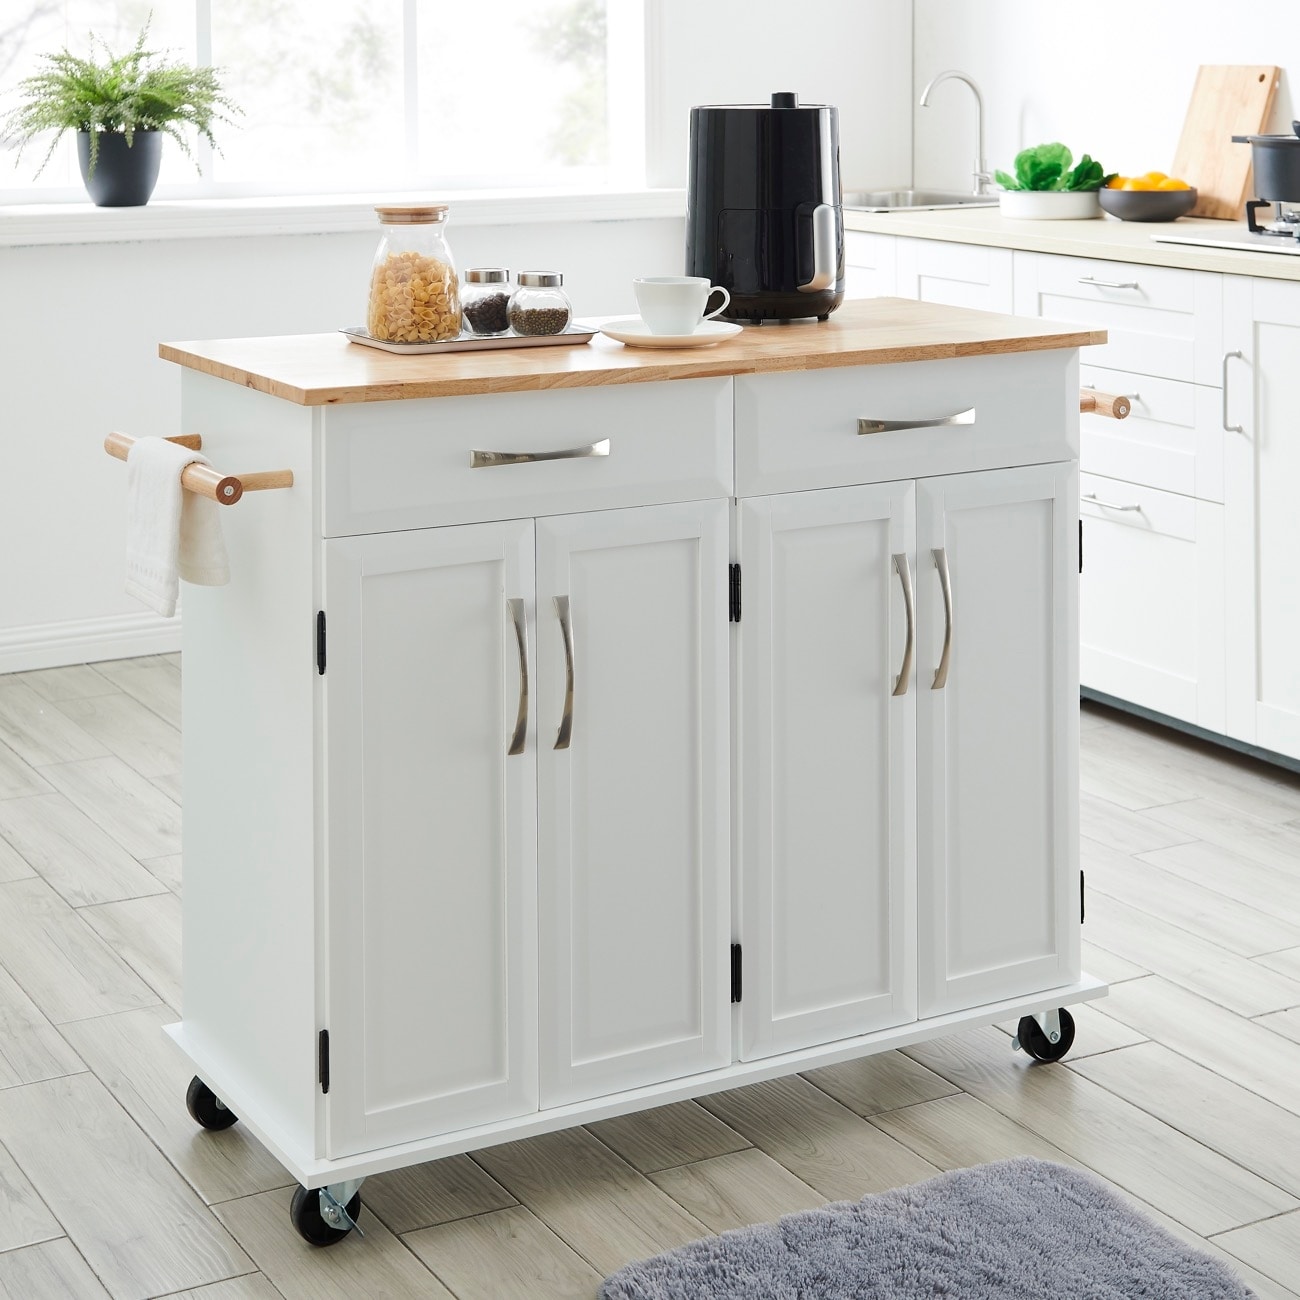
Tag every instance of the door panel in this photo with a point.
(431, 831)
(826, 779)
(633, 813)
(997, 742)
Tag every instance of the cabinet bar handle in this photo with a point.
(1107, 505)
(905, 580)
(1109, 284)
(945, 584)
(565, 733)
(894, 426)
(515, 608)
(1229, 428)
(483, 459)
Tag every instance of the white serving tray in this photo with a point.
(576, 333)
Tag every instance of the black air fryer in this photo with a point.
(763, 211)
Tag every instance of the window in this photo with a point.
(349, 95)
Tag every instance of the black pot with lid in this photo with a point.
(1276, 162)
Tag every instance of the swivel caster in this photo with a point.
(206, 1107)
(1047, 1036)
(322, 1220)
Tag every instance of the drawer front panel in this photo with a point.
(1161, 321)
(799, 431)
(1151, 599)
(398, 465)
(869, 269)
(1172, 439)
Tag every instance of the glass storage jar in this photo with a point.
(484, 300)
(414, 293)
(540, 305)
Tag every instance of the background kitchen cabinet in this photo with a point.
(869, 265)
(633, 820)
(1262, 522)
(960, 275)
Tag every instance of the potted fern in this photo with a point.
(120, 106)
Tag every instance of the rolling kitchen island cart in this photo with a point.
(586, 729)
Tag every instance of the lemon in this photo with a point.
(1116, 182)
(1173, 183)
(1155, 177)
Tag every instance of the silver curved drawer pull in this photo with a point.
(1109, 284)
(565, 733)
(945, 583)
(1229, 428)
(515, 608)
(482, 459)
(893, 426)
(1107, 505)
(905, 580)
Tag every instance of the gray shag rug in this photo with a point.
(1016, 1230)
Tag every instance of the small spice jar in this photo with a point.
(485, 300)
(540, 305)
(414, 293)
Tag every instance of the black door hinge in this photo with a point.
(733, 593)
(735, 972)
(323, 1059)
(1082, 907)
(320, 642)
(1080, 545)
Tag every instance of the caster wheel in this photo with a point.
(306, 1216)
(207, 1110)
(1034, 1042)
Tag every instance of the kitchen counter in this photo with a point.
(325, 369)
(1118, 241)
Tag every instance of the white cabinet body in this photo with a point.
(960, 275)
(1262, 524)
(607, 785)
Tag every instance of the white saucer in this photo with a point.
(633, 331)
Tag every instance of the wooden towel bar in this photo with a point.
(1117, 406)
(224, 489)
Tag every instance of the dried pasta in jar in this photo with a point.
(414, 292)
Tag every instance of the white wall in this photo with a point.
(1111, 77)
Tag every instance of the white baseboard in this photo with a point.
(55, 645)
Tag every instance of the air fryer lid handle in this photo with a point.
(784, 99)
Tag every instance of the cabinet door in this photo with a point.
(633, 790)
(431, 915)
(869, 269)
(826, 767)
(959, 275)
(997, 735)
(1261, 522)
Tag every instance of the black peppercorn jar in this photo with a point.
(540, 305)
(485, 300)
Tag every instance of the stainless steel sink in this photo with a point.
(915, 200)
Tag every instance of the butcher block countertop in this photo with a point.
(325, 369)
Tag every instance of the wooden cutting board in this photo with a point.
(1226, 101)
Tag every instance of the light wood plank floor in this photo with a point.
(1183, 1089)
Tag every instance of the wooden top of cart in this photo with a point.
(325, 369)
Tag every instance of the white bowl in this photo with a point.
(1049, 205)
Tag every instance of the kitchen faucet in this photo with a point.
(981, 174)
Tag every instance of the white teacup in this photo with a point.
(674, 304)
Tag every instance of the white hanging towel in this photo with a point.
(170, 533)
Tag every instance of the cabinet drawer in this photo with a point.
(1161, 320)
(799, 431)
(1173, 438)
(960, 275)
(397, 465)
(1151, 599)
(869, 269)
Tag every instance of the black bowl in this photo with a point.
(1147, 205)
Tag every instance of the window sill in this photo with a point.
(83, 223)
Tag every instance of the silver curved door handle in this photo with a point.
(515, 608)
(1229, 428)
(565, 733)
(485, 459)
(945, 584)
(905, 580)
(823, 236)
(894, 426)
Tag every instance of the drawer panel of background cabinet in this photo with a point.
(799, 431)
(869, 265)
(1161, 320)
(448, 460)
(1151, 599)
(959, 275)
(1172, 439)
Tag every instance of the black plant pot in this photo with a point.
(123, 178)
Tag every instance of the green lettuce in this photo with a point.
(1047, 167)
